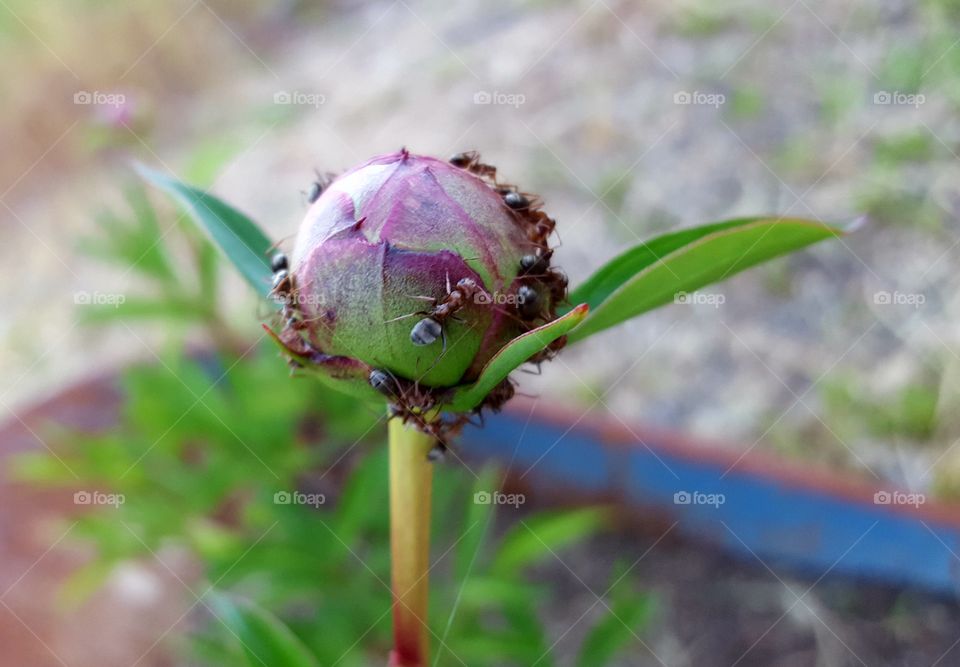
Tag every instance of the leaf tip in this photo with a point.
(580, 311)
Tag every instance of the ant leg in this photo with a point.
(402, 317)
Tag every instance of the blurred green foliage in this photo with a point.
(909, 413)
(277, 486)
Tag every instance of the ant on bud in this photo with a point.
(426, 331)
(529, 303)
(431, 327)
(535, 264)
(515, 200)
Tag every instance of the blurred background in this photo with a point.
(630, 119)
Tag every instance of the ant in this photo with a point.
(318, 187)
(283, 290)
(536, 263)
(470, 161)
(536, 266)
(282, 280)
(428, 329)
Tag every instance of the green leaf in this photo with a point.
(130, 240)
(241, 240)
(651, 274)
(542, 536)
(170, 309)
(511, 356)
(477, 521)
(266, 641)
(619, 626)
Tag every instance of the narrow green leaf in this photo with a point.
(595, 289)
(241, 240)
(478, 518)
(651, 274)
(617, 628)
(171, 309)
(266, 641)
(542, 536)
(513, 355)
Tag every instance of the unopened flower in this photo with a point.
(410, 273)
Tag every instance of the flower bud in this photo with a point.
(417, 269)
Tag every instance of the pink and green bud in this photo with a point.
(419, 269)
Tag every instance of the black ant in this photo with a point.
(317, 188)
(536, 267)
(282, 280)
(529, 303)
(283, 290)
(428, 329)
(470, 161)
(437, 453)
(536, 263)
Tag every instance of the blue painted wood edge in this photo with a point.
(775, 522)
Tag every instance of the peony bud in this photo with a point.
(409, 273)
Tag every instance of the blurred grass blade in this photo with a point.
(477, 520)
(624, 620)
(542, 536)
(513, 355)
(652, 273)
(241, 240)
(266, 641)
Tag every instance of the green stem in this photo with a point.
(411, 477)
